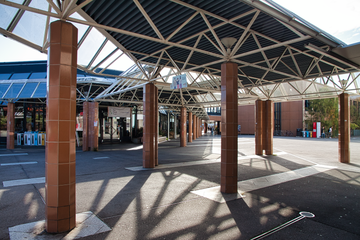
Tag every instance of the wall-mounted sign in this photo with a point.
(179, 82)
(119, 112)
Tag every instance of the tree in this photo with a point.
(325, 111)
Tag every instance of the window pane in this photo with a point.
(28, 90)
(14, 90)
(5, 76)
(38, 75)
(20, 76)
(3, 88)
(31, 27)
(7, 14)
(41, 91)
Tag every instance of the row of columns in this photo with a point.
(60, 154)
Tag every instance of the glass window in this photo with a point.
(28, 90)
(5, 76)
(14, 90)
(40, 91)
(90, 46)
(3, 88)
(7, 14)
(38, 75)
(20, 76)
(31, 27)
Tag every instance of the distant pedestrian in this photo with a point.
(330, 132)
(323, 132)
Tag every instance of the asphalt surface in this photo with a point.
(158, 203)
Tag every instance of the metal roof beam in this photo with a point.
(292, 22)
(148, 19)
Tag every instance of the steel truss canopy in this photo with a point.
(280, 56)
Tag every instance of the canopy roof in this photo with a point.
(280, 56)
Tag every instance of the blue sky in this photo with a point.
(338, 18)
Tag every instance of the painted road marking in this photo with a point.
(262, 182)
(172, 165)
(21, 182)
(18, 163)
(191, 163)
(13, 154)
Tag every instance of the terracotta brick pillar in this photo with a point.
(205, 128)
(90, 126)
(10, 126)
(150, 125)
(269, 126)
(190, 137)
(60, 128)
(259, 123)
(264, 127)
(194, 127)
(156, 115)
(229, 122)
(182, 127)
(344, 128)
(200, 123)
(85, 133)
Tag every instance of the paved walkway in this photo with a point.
(180, 198)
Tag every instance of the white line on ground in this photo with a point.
(13, 154)
(172, 165)
(300, 157)
(100, 157)
(21, 182)
(18, 163)
(262, 182)
(192, 163)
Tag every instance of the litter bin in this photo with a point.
(27, 138)
(304, 133)
(307, 134)
(34, 138)
(20, 139)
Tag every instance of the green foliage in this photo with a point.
(353, 126)
(325, 111)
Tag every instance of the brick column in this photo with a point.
(199, 132)
(194, 127)
(149, 133)
(269, 126)
(205, 128)
(156, 115)
(10, 125)
(344, 128)
(182, 127)
(264, 127)
(85, 134)
(259, 118)
(229, 122)
(190, 137)
(60, 128)
(90, 140)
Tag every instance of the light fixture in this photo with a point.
(228, 42)
(343, 82)
(149, 69)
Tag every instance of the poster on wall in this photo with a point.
(119, 112)
(179, 82)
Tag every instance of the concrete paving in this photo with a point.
(161, 203)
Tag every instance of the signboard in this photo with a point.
(179, 82)
(119, 112)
